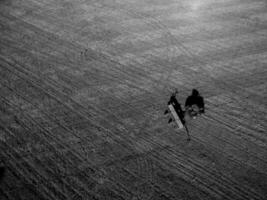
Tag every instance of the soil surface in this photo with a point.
(83, 89)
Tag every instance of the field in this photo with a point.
(84, 85)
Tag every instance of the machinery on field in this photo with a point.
(194, 106)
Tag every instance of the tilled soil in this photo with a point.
(83, 89)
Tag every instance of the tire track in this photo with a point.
(72, 152)
(91, 166)
(210, 176)
(46, 141)
(182, 47)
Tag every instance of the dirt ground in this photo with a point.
(83, 89)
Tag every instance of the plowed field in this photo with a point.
(84, 85)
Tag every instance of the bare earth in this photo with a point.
(83, 88)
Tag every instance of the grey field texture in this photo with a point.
(83, 89)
